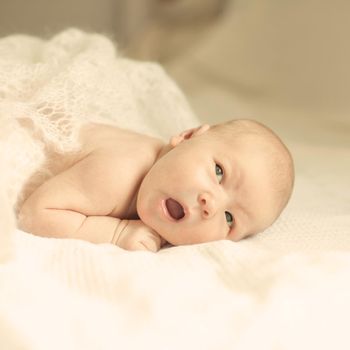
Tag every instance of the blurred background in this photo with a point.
(140, 26)
(285, 63)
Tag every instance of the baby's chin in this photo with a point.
(167, 234)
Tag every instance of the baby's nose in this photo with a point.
(207, 204)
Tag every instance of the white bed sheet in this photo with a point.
(286, 288)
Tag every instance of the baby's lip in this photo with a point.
(173, 209)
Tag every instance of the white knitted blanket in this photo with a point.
(287, 288)
(72, 79)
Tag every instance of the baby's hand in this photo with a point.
(137, 236)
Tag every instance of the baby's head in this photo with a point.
(226, 181)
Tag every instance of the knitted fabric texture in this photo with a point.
(74, 78)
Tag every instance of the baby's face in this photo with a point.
(207, 189)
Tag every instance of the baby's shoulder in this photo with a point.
(120, 144)
(94, 136)
(96, 145)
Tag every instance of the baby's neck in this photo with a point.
(152, 150)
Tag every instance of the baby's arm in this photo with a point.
(77, 204)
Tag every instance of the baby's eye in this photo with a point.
(229, 218)
(219, 172)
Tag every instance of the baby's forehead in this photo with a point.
(259, 151)
(260, 146)
(252, 139)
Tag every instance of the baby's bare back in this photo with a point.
(91, 194)
(107, 171)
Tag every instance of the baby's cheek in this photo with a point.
(143, 215)
(145, 218)
(217, 231)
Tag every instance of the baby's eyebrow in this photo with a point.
(233, 173)
(235, 178)
(244, 211)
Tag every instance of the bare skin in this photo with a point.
(118, 187)
(83, 200)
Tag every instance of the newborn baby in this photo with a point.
(226, 181)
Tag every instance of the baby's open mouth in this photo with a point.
(175, 209)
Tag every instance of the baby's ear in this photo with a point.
(187, 134)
